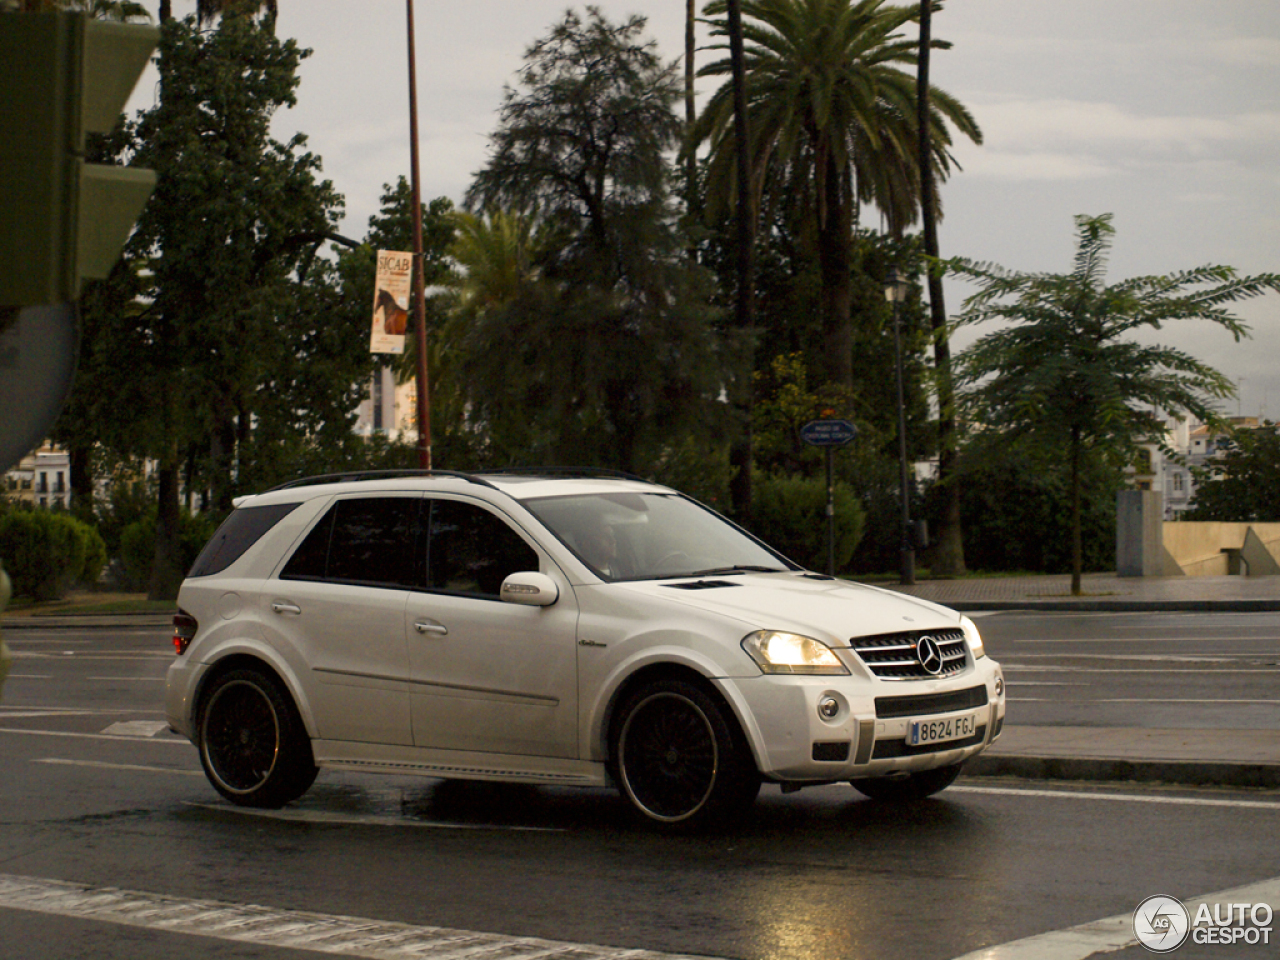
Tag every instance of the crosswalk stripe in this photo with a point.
(299, 930)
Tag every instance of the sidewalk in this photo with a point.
(1193, 757)
(1101, 591)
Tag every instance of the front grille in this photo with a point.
(928, 704)
(892, 656)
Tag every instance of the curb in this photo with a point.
(1192, 773)
(88, 621)
(1119, 606)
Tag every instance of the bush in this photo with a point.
(138, 546)
(790, 514)
(46, 553)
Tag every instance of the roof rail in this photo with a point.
(354, 476)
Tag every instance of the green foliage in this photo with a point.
(832, 117)
(47, 552)
(138, 546)
(1061, 380)
(1017, 515)
(1244, 485)
(790, 514)
(585, 335)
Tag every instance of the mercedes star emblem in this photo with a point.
(930, 655)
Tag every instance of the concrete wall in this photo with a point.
(1211, 549)
(1147, 546)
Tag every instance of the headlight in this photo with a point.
(972, 635)
(777, 652)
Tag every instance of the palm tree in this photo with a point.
(1060, 377)
(833, 125)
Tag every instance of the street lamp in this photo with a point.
(895, 291)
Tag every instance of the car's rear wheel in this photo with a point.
(253, 746)
(912, 787)
(679, 757)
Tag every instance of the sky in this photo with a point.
(1165, 115)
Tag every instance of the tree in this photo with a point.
(1243, 486)
(948, 553)
(614, 344)
(1064, 380)
(207, 335)
(833, 125)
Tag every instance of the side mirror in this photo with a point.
(531, 589)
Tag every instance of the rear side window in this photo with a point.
(238, 533)
(368, 540)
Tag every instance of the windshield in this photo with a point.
(634, 536)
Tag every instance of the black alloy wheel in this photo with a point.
(679, 757)
(253, 746)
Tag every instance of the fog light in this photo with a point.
(829, 708)
(999, 686)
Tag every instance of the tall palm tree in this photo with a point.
(833, 125)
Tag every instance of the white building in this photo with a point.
(41, 479)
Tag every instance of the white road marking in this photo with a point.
(1121, 797)
(365, 820)
(1113, 933)
(129, 679)
(1153, 700)
(316, 932)
(181, 741)
(137, 728)
(59, 761)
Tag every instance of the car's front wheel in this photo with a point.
(912, 787)
(679, 757)
(253, 746)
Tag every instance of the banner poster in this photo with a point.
(390, 302)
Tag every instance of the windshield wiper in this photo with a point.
(737, 568)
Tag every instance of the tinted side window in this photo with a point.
(473, 551)
(238, 533)
(369, 540)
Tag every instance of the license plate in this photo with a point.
(938, 731)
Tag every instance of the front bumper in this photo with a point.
(866, 736)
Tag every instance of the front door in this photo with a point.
(489, 676)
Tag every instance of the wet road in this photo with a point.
(96, 795)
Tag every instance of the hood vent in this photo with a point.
(702, 585)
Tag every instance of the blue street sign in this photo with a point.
(828, 433)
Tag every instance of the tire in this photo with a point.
(912, 787)
(679, 756)
(253, 746)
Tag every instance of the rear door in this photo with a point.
(340, 602)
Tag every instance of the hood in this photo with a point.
(830, 610)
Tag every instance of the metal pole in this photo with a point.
(908, 556)
(831, 518)
(419, 287)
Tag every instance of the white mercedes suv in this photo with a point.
(557, 629)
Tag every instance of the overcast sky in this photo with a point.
(1166, 115)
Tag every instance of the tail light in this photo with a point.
(184, 629)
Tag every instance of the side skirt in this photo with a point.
(456, 764)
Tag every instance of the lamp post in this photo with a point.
(895, 291)
(419, 293)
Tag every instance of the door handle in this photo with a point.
(281, 606)
(430, 626)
